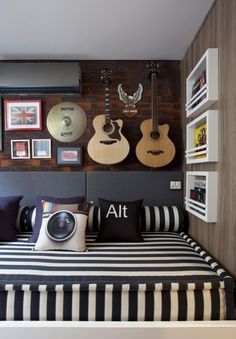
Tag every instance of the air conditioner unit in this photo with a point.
(40, 78)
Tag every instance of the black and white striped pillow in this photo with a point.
(153, 219)
(25, 218)
(161, 219)
(94, 219)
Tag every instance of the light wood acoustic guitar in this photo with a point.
(155, 149)
(108, 145)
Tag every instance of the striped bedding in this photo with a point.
(165, 277)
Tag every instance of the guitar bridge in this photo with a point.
(108, 142)
(155, 152)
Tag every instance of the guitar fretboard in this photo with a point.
(154, 102)
(107, 104)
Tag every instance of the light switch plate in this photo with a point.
(175, 185)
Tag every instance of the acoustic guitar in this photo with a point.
(155, 149)
(108, 145)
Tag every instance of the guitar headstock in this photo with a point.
(153, 67)
(106, 75)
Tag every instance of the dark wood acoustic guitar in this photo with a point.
(155, 149)
(108, 145)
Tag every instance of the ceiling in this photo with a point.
(99, 29)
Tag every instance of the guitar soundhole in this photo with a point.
(108, 128)
(155, 135)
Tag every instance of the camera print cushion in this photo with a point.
(63, 230)
(44, 202)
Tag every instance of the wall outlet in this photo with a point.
(175, 185)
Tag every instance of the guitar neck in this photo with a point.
(107, 104)
(154, 102)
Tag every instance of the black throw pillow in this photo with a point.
(120, 221)
(8, 213)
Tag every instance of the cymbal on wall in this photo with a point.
(66, 121)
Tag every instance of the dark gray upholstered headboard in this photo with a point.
(31, 184)
(153, 187)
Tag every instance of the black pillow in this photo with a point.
(8, 213)
(120, 221)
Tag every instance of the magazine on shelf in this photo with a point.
(200, 138)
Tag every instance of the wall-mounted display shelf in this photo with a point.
(202, 138)
(202, 83)
(201, 195)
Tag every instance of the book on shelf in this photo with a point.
(198, 84)
(200, 138)
(198, 192)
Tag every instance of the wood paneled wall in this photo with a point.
(218, 30)
(129, 73)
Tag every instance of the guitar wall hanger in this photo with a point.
(130, 100)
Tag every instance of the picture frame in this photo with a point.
(41, 148)
(23, 115)
(20, 149)
(1, 132)
(69, 156)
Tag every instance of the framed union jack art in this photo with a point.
(23, 114)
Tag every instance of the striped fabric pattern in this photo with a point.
(165, 277)
(25, 218)
(161, 218)
(94, 219)
(153, 219)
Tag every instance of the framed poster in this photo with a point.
(20, 149)
(1, 134)
(23, 115)
(41, 148)
(69, 156)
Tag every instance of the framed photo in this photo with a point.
(20, 149)
(41, 148)
(23, 115)
(69, 156)
(1, 139)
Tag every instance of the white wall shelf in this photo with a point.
(204, 208)
(207, 93)
(209, 151)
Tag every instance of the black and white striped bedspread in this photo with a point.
(165, 277)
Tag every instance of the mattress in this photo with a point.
(165, 277)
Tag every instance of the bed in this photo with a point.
(165, 277)
(165, 285)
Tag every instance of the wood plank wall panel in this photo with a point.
(218, 30)
(129, 73)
